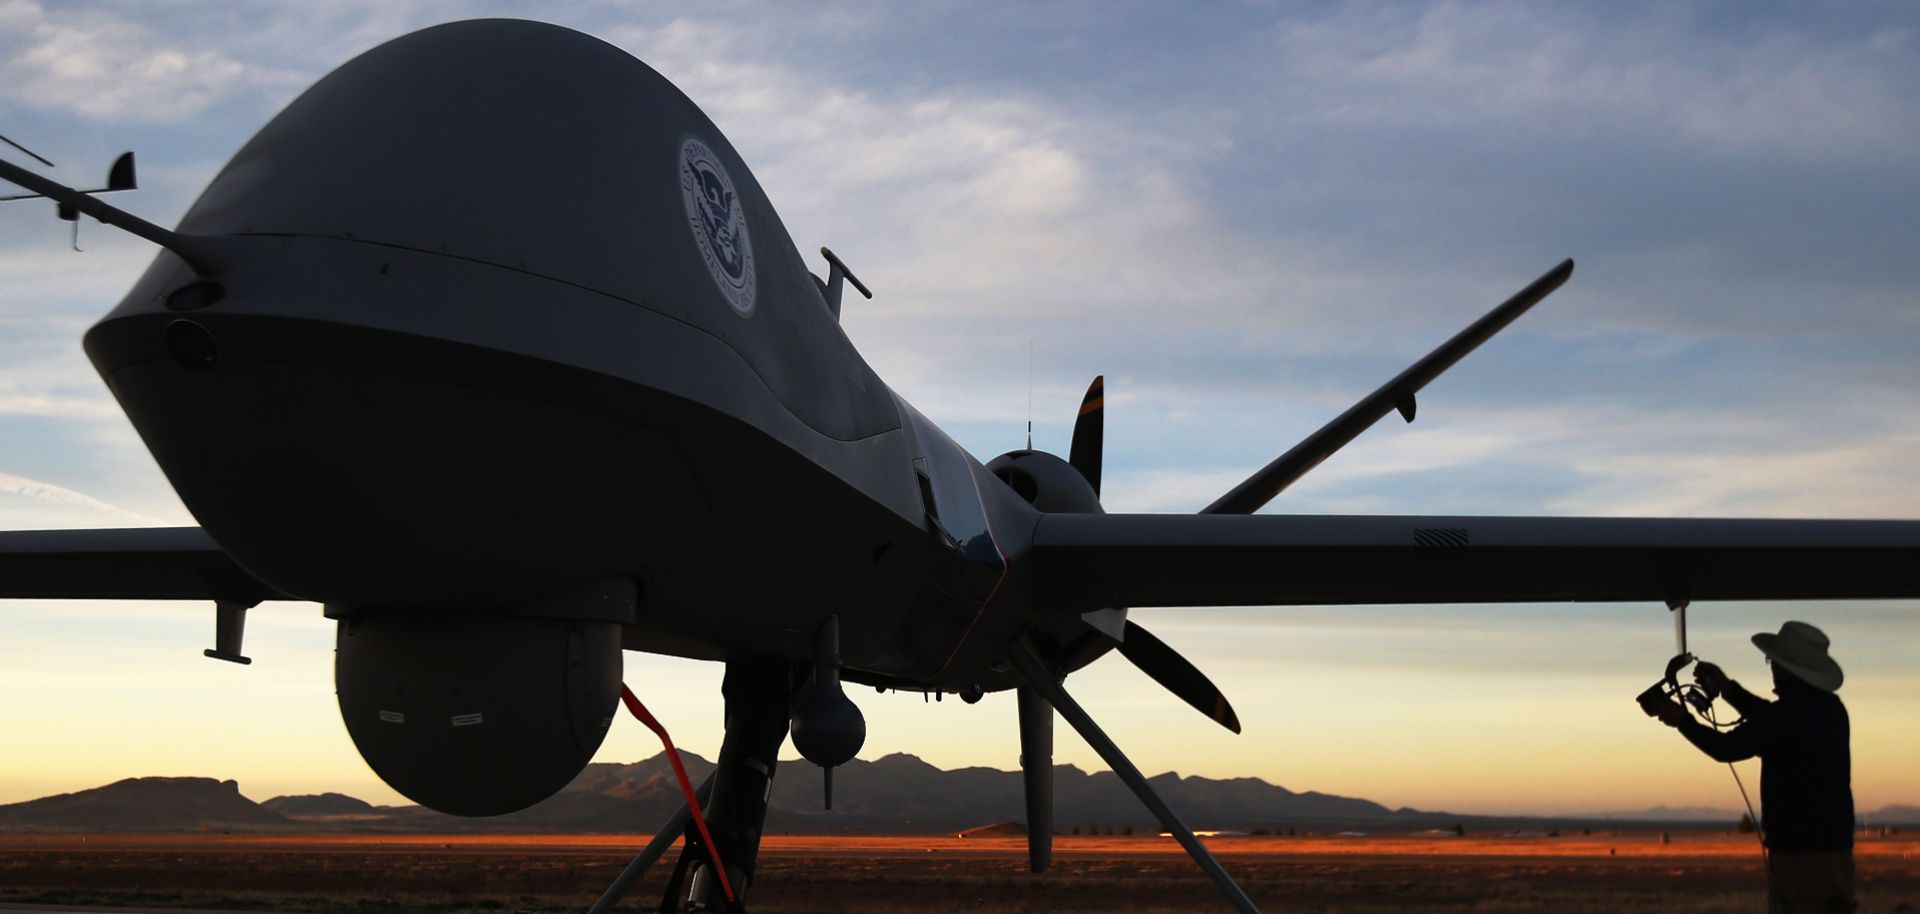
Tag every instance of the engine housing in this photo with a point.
(1047, 482)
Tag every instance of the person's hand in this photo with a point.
(1710, 677)
(1672, 714)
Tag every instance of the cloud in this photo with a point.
(54, 295)
(984, 217)
(1713, 176)
(1168, 491)
(1593, 460)
(1776, 88)
(1815, 479)
(954, 193)
(39, 403)
(101, 66)
(59, 507)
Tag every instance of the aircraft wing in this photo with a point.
(1397, 394)
(140, 563)
(1085, 561)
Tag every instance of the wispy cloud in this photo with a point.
(1015, 205)
(80, 509)
(1583, 461)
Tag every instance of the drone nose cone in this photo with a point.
(536, 151)
(347, 429)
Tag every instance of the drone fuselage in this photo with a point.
(507, 316)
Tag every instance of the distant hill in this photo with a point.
(1885, 815)
(897, 793)
(1893, 815)
(900, 792)
(146, 804)
(906, 793)
(894, 793)
(321, 804)
(1669, 814)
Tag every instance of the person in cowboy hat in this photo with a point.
(1806, 790)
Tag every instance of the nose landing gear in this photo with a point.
(758, 697)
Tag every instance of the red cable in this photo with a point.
(640, 711)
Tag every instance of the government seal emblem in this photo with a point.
(719, 224)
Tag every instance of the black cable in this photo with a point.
(1766, 859)
(1683, 692)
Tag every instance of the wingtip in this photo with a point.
(1552, 279)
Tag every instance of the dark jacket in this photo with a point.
(1806, 783)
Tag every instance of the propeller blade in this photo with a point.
(1089, 433)
(1165, 666)
(1036, 768)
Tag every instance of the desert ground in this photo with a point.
(1571, 874)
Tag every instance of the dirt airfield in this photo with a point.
(1574, 874)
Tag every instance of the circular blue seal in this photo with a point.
(719, 224)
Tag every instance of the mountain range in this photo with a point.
(893, 794)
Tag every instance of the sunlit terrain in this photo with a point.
(1615, 872)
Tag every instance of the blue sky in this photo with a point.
(1246, 216)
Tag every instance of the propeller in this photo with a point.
(1148, 653)
(1152, 656)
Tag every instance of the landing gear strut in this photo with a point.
(1047, 686)
(758, 697)
(734, 798)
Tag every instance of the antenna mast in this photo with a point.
(1029, 395)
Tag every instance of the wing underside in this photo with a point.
(1089, 561)
(141, 563)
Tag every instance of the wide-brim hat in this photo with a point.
(1802, 649)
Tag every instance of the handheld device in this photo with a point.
(1697, 696)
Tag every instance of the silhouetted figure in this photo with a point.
(1806, 791)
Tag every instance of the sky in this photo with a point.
(1247, 216)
